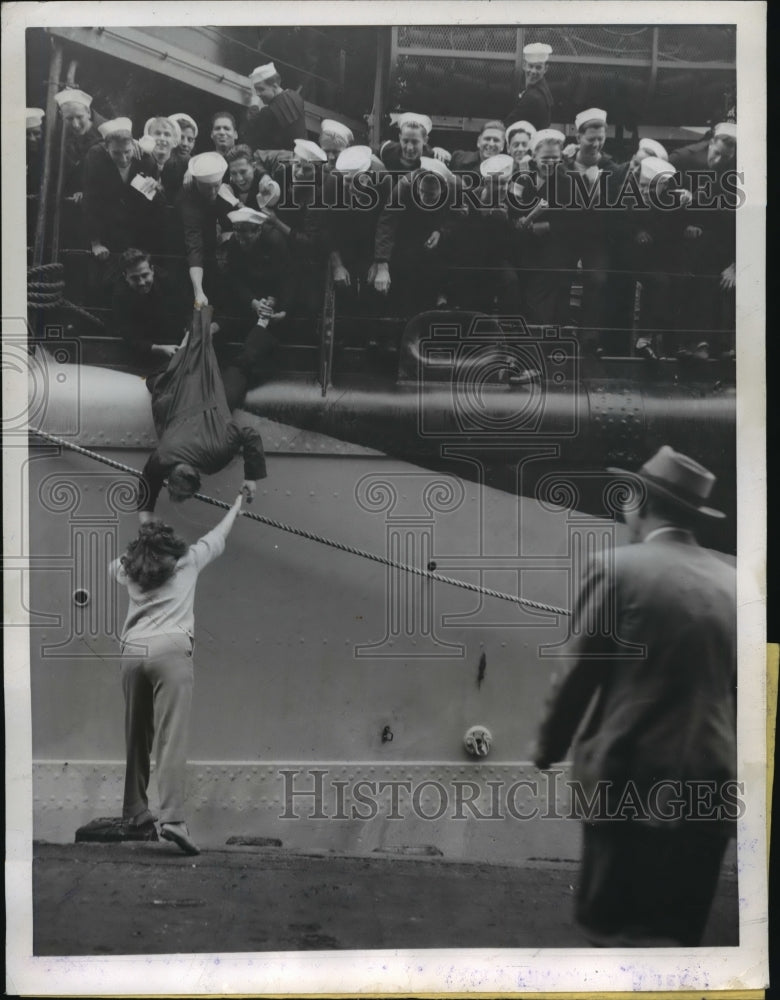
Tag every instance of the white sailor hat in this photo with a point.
(547, 135)
(537, 52)
(412, 118)
(309, 151)
(354, 158)
(208, 167)
(500, 165)
(261, 73)
(727, 130)
(71, 96)
(184, 121)
(433, 166)
(174, 124)
(33, 117)
(247, 215)
(526, 127)
(653, 166)
(593, 116)
(331, 127)
(115, 127)
(653, 148)
(147, 143)
(268, 192)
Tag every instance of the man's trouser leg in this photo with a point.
(170, 671)
(642, 885)
(595, 265)
(139, 734)
(158, 689)
(545, 281)
(250, 367)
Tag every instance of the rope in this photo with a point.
(322, 539)
(45, 285)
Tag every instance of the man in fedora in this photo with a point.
(650, 708)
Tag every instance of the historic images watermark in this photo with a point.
(310, 793)
(366, 190)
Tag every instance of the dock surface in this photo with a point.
(149, 898)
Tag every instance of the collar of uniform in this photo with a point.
(667, 528)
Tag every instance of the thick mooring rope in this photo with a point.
(322, 539)
(45, 285)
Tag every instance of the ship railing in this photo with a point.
(343, 335)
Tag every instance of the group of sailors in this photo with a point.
(507, 227)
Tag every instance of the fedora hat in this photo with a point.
(676, 477)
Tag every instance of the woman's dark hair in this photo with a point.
(151, 558)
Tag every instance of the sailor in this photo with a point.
(334, 139)
(519, 136)
(258, 292)
(623, 182)
(617, 180)
(650, 709)
(483, 276)
(223, 131)
(589, 240)
(709, 250)
(244, 175)
(201, 206)
(123, 202)
(350, 230)
(81, 134)
(490, 142)
(588, 156)
(33, 123)
(162, 139)
(540, 240)
(535, 103)
(299, 217)
(160, 572)
(148, 311)
(403, 156)
(282, 119)
(188, 133)
(195, 429)
(645, 241)
(407, 250)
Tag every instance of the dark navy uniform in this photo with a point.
(542, 252)
(159, 316)
(197, 219)
(116, 214)
(416, 271)
(701, 303)
(278, 124)
(193, 422)
(390, 155)
(534, 105)
(259, 271)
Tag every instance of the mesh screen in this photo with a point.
(634, 41)
(447, 37)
